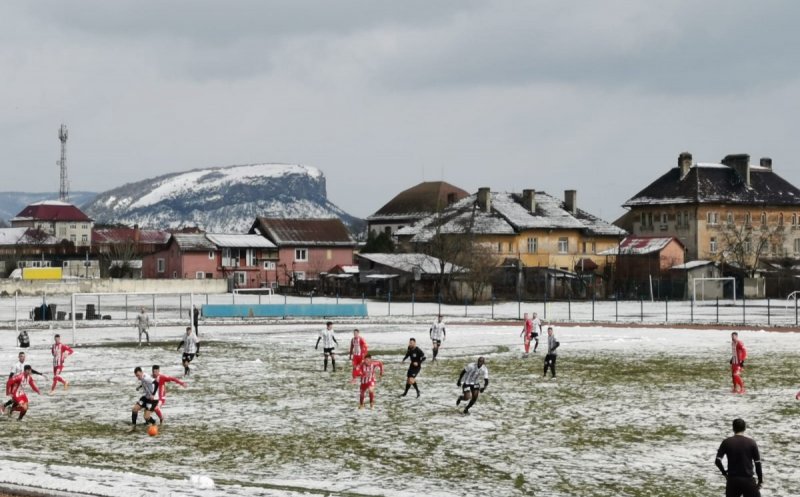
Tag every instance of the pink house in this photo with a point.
(247, 261)
(306, 247)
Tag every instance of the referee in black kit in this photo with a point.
(742, 454)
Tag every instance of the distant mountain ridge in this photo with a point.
(11, 203)
(220, 199)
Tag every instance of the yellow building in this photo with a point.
(732, 212)
(532, 227)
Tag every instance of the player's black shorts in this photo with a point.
(437, 342)
(469, 388)
(188, 357)
(148, 404)
(413, 372)
(328, 350)
(742, 485)
(535, 335)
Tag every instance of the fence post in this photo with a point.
(616, 307)
(180, 306)
(593, 307)
(519, 305)
(362, 298)
(465, 307)
(154, 306)
(99, 314)
(206, 299)
(717, 310)
(641, 309)
(126, 307)
(440, 303)
(311, 295)
(744, 307)
(666, 310)
(692, 310)
(569, 308)
(337, 298)
(389, 300)
(545, 297)
(795, 310)
(769, 317)
(493, 306)
(412, 303)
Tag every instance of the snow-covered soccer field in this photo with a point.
(633, 412)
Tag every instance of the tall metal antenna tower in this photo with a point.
(63, 191)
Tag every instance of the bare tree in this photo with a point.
(117, 260)
(746, 246)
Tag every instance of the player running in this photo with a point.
(143, 324)
(471, 374)
(417, 358)
(437, 333)
(328, 344)
(358, 351)
(550, 358)
(161, 384)
(738, 355)
(368, 370)
(527, 334)
(60, 352)
(18, 368)
(16, 388)
(191, 348)
(148, 400)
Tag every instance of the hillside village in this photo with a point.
(731, 219)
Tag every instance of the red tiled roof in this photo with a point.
(52, 211)
(284, 232)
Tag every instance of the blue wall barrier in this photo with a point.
(284, 310)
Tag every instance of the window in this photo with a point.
(647, 220)
(84, 239)
(499, 247)
(712, 218)
(211, 255)
(71, 226)
(794, 220)
(160, 265)
(73, 238)
(240, 278)
(686, 219)
(269, 265)
(712, 245)
(748, 219)
(510, 247)
(780, 219)
(299, 275)
(249, 260)
(174, 275)
(563, 245)
(796, 246)
(387, 230)
(533, 245)
(747, 247)
(62, 231)
(301, 254)
(664, 218)
(763, 219)
(730, 219)
(85, 226)
(329, 254)
(200, 275)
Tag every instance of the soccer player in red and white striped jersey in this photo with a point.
(16, 388)
(358, 350)
(60, 352)
(161, 380)
(368, 370)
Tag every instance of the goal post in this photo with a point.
(702, 281)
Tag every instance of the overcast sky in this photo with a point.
(595, 96)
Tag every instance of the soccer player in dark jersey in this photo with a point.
(552, 355)
(471, 374)
(742, 454)
(417, 357)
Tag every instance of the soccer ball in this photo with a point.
(152, 430)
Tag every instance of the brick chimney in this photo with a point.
(485, 199)
(137, 233)
(529, 200)
(684, 163)
(571, 201)
(741, 164)
(766, 163)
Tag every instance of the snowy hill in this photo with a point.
(220, 199)
(11, 203)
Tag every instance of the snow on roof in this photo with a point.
(311, 232)
(10, 236)
(426, 264)
(51, 210)
(692, 264)
(419, 201)
(214, 178)
(118, 235)
(193, 242)
(639, 245)
(508, 217)
(239, 240)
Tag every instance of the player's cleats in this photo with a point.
(371, 406)
(66, 385)
(417, 393)
(458, 401)
(466, 412)
(403, 394)
(361, 406)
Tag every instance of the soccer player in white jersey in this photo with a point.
(437, 333)
(537, 330)
(329, 343)
(148, 400)
(142, 324)
(190, 345)
(18, 368)
(471, 376)
(368, 370)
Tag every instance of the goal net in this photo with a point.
(713, 288)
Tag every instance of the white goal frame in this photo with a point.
(703, 281)
(153, 295)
